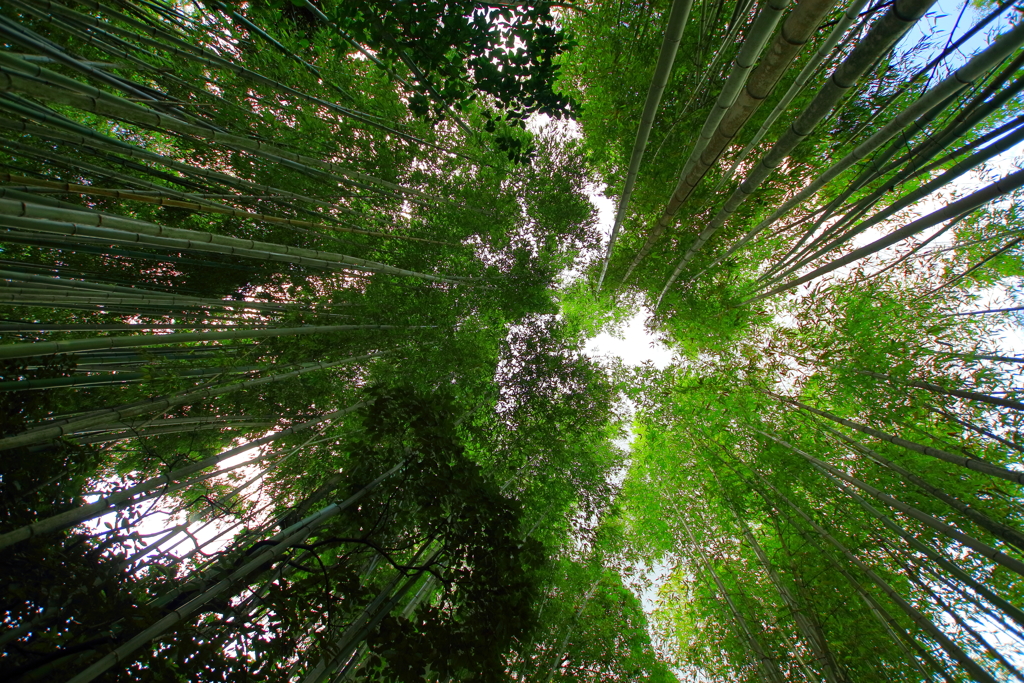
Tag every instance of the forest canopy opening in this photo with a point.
(301, 299)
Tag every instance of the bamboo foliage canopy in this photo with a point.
(299, 304)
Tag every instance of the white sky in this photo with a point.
(634, 344)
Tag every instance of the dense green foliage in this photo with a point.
(294, 381)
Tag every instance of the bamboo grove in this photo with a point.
(295, 301)
(828, 477)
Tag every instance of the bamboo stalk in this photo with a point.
(934, 184)
(222, 502)
(204, 208)
(809, 69)
(283, 541)
(109, 379)
(880, 38)
(959, 393)
(147, 487)
(107, 437)
(767, 666)
(962, 623)
(812, 635)
(970, 463)
(888, 622)
(85, 137)
(978, 430)
(983, 549)
(77, 345)
(129, 111)
(972, 201)
(67, 426)
(895, 630)
(53, 284)
(998, 529)
(974, 113)
(937, 97)
(951, 648)
(95, 224)
(753, 44)
(677, 18)
(183, 50)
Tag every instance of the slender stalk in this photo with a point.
(938, 96)
(979, 430)
(39, 217)
(936, 389)
(677, 18)
(126, 496)
(766, 665)
(951, 648)
(982, 548)
(811, 634)
(204, 207)
(109, 379)
(970, 463)
(63, 427)
(753, 44)
(282, 541)
(964, 624)
(79, 345)
(880, 39)
(965, 206)
(809, 69)
(998, 529)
